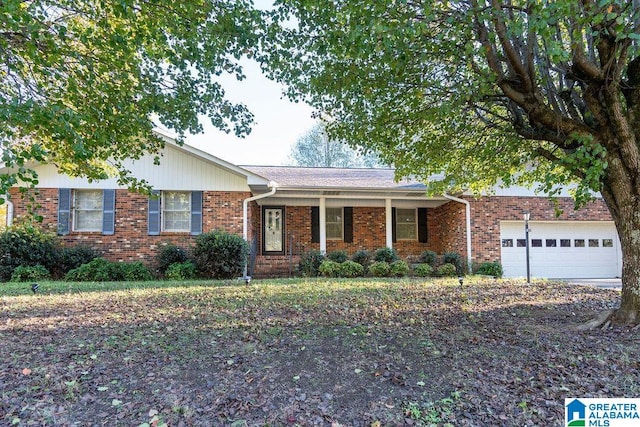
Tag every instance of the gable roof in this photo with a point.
(343, 178)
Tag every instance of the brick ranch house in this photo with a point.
(284, 211)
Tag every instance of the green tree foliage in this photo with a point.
(481, 92)
(82, 81)
(315, 148)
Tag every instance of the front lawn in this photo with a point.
(307, 352)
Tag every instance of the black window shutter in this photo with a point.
(108, 211)
(423, 231)
(348, 224)
(154, 213)
(315, 224)
(393, 225)
(196, 212)
(64, 211)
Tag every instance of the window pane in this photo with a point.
(550, 243)
(87, 211)
(406, 227)
(507, 243)
(177, 201)
(607, 243)
(334, 231)
(594, 243)
(176, 210)
(536, 243)
(578, 243)
(176, 221)
(522, 243)
(565, 243)
(88, 220)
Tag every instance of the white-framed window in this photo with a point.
(335, 223)
(406, 224)
(87, 210)
(176, 211)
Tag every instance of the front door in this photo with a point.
(273, 230)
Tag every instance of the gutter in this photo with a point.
(245, 217)
(468, 218)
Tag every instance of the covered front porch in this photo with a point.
(296, 217)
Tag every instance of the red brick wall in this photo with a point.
(487, 212)
(131, 242)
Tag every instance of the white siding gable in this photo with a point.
(179, 169)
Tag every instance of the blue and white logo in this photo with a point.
(602, 412)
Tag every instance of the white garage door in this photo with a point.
(561, 249)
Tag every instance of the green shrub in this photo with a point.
(220, 255)
(379, 269)
(73, 257)
(351, 269)
(423, 270)
(26, 246)
(362, 257)
(168, 255)
(447, 270)
(338, 256)
(101, 270)
(429, 257)
(29, 273)
(453, 258)
(98, 270)
(181, 271)
(490, 269)
(309, 263)
(329, 268)
(387, 255)
(133, 271)
(399, 268)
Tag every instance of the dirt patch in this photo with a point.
(357, 353)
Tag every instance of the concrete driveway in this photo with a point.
(600, 283)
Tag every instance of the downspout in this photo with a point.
(245, 215)
(468, 215)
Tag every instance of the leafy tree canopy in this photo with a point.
(81, 80)
(482, 91)
(315, 148)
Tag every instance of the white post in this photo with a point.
(323, 225)
(388, 222)
(467, 211)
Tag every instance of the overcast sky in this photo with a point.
(279, 123)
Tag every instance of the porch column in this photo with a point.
(389, 224)
(323, 225)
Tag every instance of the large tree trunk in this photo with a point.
(620, 192)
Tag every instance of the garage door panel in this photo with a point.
(565, 249)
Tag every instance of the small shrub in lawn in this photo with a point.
(362, 257)
(399, 268)
(329, 268)
(447, 270)
(98, 270)
(73, 257)
(490, 269)
(26, 245)
(309, 263)
(429, 257)
(380, 269)
(168, 255)
(338, 256)
(351, 269)
(423, 270)
(133, 271)
(387, 255)
(29, 273)
(181, 271)
(220, 255)
(453, 258)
